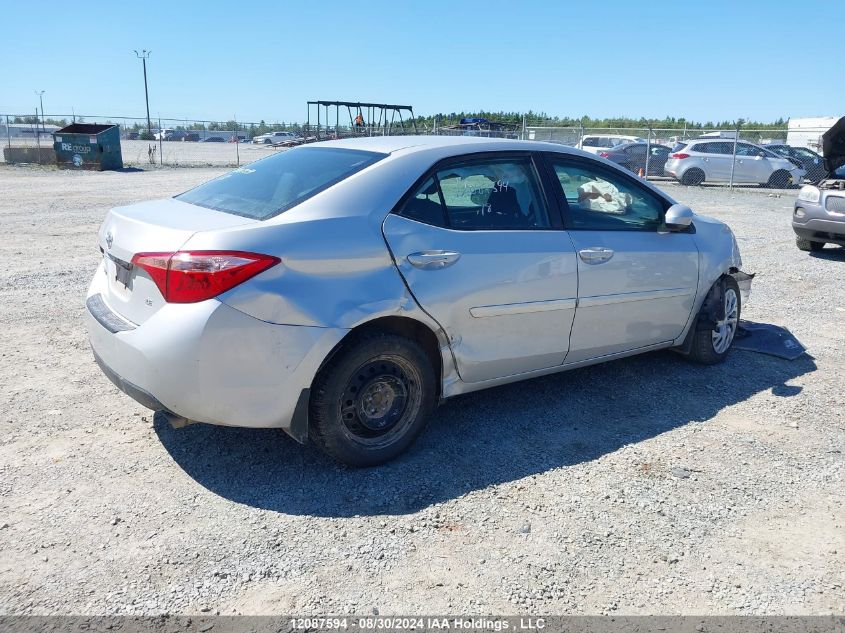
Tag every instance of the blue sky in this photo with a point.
(714, 60)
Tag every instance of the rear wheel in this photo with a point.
(807, 245)
(692, 177)
(711, 346)
(372, 400)
(780, 179)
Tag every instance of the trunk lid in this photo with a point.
(154, 226)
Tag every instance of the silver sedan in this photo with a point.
(340, 290)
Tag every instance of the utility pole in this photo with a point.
(143, 56)
(40, 94)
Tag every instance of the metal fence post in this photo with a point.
(647, 152)
(733, 159)
(9, 137)
(37, 136)
(237, 143)
(160, 148)
(580, 133)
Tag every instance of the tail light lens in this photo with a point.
(604, 154)
(192, 276)
(680, 155)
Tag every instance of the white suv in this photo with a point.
(711, 160)
(595, 143)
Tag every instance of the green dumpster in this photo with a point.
(88, 146)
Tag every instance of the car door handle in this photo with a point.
(595, 255)
(433, 260)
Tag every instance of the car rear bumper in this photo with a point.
(208, 362)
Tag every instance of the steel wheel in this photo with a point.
(723, 333)
(380, 401)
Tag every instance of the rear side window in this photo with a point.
(270, 186)
(424, 205)
(493, 194)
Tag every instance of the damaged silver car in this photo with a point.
(340, 290)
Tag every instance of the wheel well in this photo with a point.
(401, 326)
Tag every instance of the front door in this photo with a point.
(483, 256)
(637, 283)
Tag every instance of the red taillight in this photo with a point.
(604, 154)
(680, 156)
(191, 276)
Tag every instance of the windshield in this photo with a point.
(270, 186)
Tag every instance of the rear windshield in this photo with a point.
(270, 186)
(678, 147)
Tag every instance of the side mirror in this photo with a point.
(678, 217)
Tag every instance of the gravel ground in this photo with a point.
(643, 486)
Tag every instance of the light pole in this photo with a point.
(143, 56)
(40, 94)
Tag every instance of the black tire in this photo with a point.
(807, 245)
(781, 179)
(372, 400)
(704, 349)
(692, 177)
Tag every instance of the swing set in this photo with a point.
(370, 119)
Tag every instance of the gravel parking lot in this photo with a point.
(643, 486)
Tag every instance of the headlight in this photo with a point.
(809, 193)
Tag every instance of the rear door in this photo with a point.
(637, 283)
(482, 254)
(716, 160)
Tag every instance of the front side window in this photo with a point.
(598, 199)
(590, 141)
(270, 186)
(499, 193)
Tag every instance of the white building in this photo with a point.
(807, 132)
(27, 130)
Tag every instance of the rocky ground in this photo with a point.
(643, 486)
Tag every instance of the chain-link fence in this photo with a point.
(774, 156)
(162, 141)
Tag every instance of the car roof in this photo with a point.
(459, 144)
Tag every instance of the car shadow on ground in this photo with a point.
(833, 254)
(481, 439)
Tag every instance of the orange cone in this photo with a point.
(640, 172)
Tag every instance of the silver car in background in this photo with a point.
(711, 160)
(340, 290)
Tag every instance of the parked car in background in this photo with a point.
(191, 136)
(632, 156)
(213, 139)
(704, 160)
(275, 137)
(133, 136)
(818, 216)
(340, 290)
(595, 143)
(812, 162)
